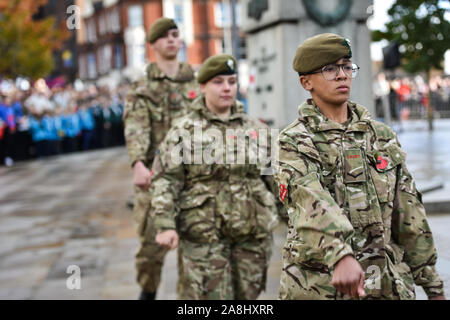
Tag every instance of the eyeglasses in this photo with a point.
(331, 71)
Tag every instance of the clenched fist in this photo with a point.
(348, 277)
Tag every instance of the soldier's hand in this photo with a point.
(141, 175)
(348, 277)
(168, 239)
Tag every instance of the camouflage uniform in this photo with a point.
(152, 105)
(348, 192)
(223, 213)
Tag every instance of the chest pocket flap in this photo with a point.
(154, 95)
(382, 169)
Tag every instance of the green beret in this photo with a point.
(320, 50)
(159, 27)
(221, 64)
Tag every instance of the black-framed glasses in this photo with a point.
(331, 71)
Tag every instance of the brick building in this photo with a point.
(111, 38)
(65, 61)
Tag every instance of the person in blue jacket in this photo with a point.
(53, 123)
(9, 123)
(39, 135)
(72, 129)
(87, 126)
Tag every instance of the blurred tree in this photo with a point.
(25, 44)
(422, 32)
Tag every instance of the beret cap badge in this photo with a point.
(230, 64)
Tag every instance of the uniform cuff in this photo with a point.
(434, 286)
(434, 291)
(163, 224)
(332, 257)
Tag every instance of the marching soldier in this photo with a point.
(357, 225)
(220, 212)
(153, 104)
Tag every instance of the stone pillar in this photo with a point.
(275, 29)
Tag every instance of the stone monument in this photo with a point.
(276, 28)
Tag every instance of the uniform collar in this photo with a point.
(237, 110)
(185, 73)
(358, 121)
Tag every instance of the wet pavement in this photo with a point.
(71, 210)
(67, 211)
(428, 159)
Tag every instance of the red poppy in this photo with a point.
(382, 163)
(192, 94)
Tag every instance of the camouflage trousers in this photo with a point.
(224, 270)
(150, 256)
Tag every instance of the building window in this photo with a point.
(82, 67)
(181, 12)
(135, 17)
(222, 15)
(104, 56)
(114, 20)
(118, 60)
(92, 68)
(91, 31)
(136, 55)
(102, 24)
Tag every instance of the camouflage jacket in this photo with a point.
(348, 192)
(208, 200)
(152, 105)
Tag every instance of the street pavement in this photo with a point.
(71, 211)
(428, 160)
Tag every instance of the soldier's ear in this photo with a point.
(306, 83)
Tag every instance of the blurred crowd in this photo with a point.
(409, 97)
(41, 122)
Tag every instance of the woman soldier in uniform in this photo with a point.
(214, 202)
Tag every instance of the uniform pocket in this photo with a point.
(196, 221)
(383, 171)
(141, 208)
(403, 281)
(265, 212)
(195, 251)
(354, 168)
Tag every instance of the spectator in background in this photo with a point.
(107, 117)
(61, 96)
(87, 125)
(39, 102)
(53, 126)
(97, 113)
(9, 121)
(39, 136)
(404, 94)
(116, 123)
(23, 137)
(71, 125)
